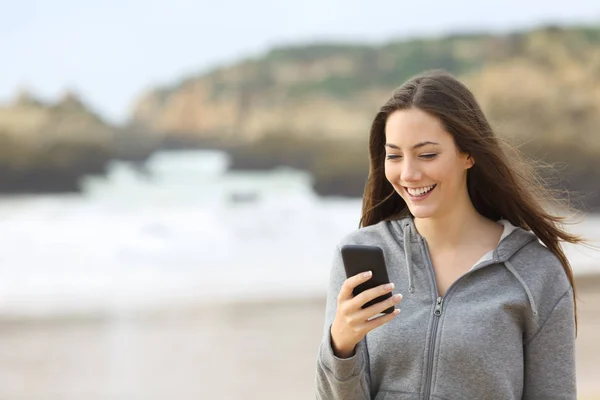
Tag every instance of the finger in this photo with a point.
(374, 323)
(352, 282)
(371, 294)
(379, 307)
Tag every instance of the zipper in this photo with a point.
(437, 313)
(438, 306)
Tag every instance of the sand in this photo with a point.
(228, 351)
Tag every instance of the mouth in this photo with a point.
(420, 193)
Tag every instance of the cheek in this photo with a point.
(450, 174)
(442, 171)
(391, 173)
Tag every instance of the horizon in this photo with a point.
(110, 70)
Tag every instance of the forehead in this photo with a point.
(407, 127)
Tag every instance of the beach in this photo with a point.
(239, 350)
(157, 297)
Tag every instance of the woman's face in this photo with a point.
(420, 155)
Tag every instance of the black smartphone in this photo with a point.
(361, 258)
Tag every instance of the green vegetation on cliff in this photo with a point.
(342, 70)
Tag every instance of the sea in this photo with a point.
(181, 228)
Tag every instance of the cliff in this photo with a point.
(311, 106)
(540, 83)
(47, 147)
(298, 105)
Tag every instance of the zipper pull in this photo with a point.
(438, 307)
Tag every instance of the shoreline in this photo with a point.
(583, 283)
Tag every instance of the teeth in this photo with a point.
(420, 191)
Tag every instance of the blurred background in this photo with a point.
(174, 176)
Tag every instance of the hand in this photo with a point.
(351, 323)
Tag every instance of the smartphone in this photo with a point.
(360, 258)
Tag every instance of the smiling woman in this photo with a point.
(460, 225)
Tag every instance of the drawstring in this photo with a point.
(510, 267)
(409, 267)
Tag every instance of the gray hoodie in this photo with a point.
(504, 330)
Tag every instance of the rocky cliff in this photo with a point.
(541, 83)
(311, 107)
(47, 147)
(295, 105)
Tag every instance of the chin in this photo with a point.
(422, 212)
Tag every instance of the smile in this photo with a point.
(420, 193)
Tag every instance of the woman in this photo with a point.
(488, 312)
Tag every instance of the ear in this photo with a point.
(470, 161)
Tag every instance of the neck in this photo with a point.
(452, 229)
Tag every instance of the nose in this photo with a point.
(410, 172)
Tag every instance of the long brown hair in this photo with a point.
(501, 183)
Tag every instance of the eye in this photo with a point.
(425, 156)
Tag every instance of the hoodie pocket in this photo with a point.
(385, 395)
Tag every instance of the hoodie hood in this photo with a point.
(506, 248)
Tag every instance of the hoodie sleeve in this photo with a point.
(550, 355)
(337, 378)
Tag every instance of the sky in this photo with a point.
(110, 52)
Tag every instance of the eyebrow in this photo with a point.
(416, 146)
